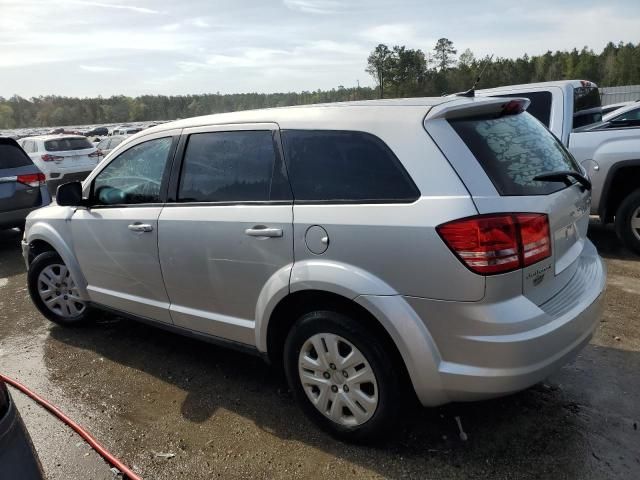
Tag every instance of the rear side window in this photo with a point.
(344, 166)
(239, 166)
(66, 144)
(512, 150)
(540, 106)
(12, 156)
(587, 106)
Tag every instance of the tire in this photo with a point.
(374, 413)
(628, 221)
(64, 311)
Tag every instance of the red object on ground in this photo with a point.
(76, 427)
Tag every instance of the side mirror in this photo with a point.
(69, 195)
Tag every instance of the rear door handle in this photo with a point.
(261, 231)
(140, 227)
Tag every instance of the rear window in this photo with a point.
(65, 144)
(344, 166)
(540, 106)
(512, 150)
(587, 106)
(12, 156)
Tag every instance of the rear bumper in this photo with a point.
(491, 349)
(16, 218)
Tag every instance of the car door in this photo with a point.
(116, 238)
(229, 229)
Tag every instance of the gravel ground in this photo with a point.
(144, 393)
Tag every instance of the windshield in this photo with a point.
(513, 149)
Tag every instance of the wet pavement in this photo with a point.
(144, 393)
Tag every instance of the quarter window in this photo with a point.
(134, 176)
(345, 166)
(234, 166)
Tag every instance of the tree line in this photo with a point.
(398, 71)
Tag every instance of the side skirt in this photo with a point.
(222, 342)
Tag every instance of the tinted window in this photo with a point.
(12, 156)
(65, 144)
(135, 175)
(540, 106)
(587, 107)
(513, 150)
(344, 166)
(232, 167)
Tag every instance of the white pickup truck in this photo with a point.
(608, 151)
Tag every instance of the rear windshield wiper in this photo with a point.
(564, 176)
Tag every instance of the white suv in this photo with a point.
(62, 158)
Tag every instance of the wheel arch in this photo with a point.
(42, 237)
(621, 180)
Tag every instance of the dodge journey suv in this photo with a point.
(437, 245)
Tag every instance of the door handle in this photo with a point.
(261, 231)
(140, 227)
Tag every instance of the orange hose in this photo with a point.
(76, 427)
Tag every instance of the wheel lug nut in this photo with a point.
(332, 366)
(345, 388)
(334, 389)
(326, 375)
(66, 298)
(345, 374)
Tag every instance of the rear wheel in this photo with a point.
(342, 376)
(54, 291)
(628, 221)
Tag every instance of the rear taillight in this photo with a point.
(31, 179)
(490, 244)
(47, 157)
(97, 153)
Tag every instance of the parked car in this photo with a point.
(366, 247)
(615, 106)
(126, 131)
(609, 152)
(628, 116)
(109, 143)
(17, 455)
(62, 158)
(97, 132)
(22, 185)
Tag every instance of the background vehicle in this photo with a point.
(62, 158)
(97, 132)
(368, 247)
(628, 116)
(615, 106)
(18, 458)
(22, 185)
(609, 152)
(109, 143)
(125, 131)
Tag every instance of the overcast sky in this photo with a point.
(133, 47)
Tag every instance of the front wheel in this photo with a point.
(54, 291)
(342, 376)
(628, 221)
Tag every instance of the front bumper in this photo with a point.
(492, 349)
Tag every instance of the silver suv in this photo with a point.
(365, 247)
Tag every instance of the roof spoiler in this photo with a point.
(478, 107)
